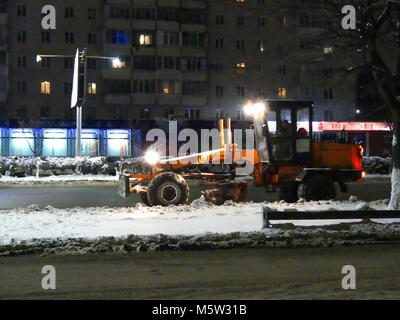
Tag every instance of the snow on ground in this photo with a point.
(89, 178)
(196, 219)
(377, 176)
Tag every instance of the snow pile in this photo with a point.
(67, 179)
(25, 166)
(377, 165)
(199, 225)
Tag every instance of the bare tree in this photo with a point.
(373, 45)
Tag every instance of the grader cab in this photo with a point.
(291, 162)
(285, 159)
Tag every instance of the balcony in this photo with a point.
(169, 99)
(123, 74)
(194, 4)
(194, 76)
(188, 100)
(117, 99)
(121, 49)
(144, 99)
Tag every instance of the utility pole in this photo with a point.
(79, 87)
(78, 98)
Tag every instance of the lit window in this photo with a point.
(240, 68)
(282, 93)
(45, 87)
(145, 40)
(92, 88)
(328, 50)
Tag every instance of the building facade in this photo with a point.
(179, 59)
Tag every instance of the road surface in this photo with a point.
(227, 274)
(99, 195)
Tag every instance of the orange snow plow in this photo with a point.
(285, 159)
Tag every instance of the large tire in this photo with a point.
(145, 198)
(288, 193)
(317, 188)
(168, 189)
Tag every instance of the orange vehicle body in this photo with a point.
(324, 163)
(336, 155)
(325, 155)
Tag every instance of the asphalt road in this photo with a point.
(227, 274)
(95, 195)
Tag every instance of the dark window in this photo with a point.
(46, 63)
(69, 37)
(144, 13)
(91, 38)
(21, 62)
(69, 12)
(118, 86)
(45, 37)
(21, 37)
(68, 63)
(3, 6)
(21, 87)
(92, 14)
(91, 64)
(119, 13)
(44, 111)
(21, 11)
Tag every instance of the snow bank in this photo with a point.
(23, 166)
(377, 165)
(194, 226)
(67, 179)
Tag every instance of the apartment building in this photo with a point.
(4, 81)
(190, 59)
(163, 48)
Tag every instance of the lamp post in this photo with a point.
(79, 86)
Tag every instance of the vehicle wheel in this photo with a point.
(167, 189)
(288, 193)
(145, 199)
(317, 188)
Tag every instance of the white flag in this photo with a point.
(74, 97)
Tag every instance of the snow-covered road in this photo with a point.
(199, 218)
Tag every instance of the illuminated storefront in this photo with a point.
(118, 143)
(22, 142)
(54, 143)
(90, 142)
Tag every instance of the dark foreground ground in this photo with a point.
(229, 274)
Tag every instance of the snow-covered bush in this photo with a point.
(23, 166)
(377, 165)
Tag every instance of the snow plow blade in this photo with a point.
(123, 186)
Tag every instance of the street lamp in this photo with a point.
(117, 63)
(254, 109)
(78, 97)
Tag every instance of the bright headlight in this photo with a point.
(254, 109)
(152, 157)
